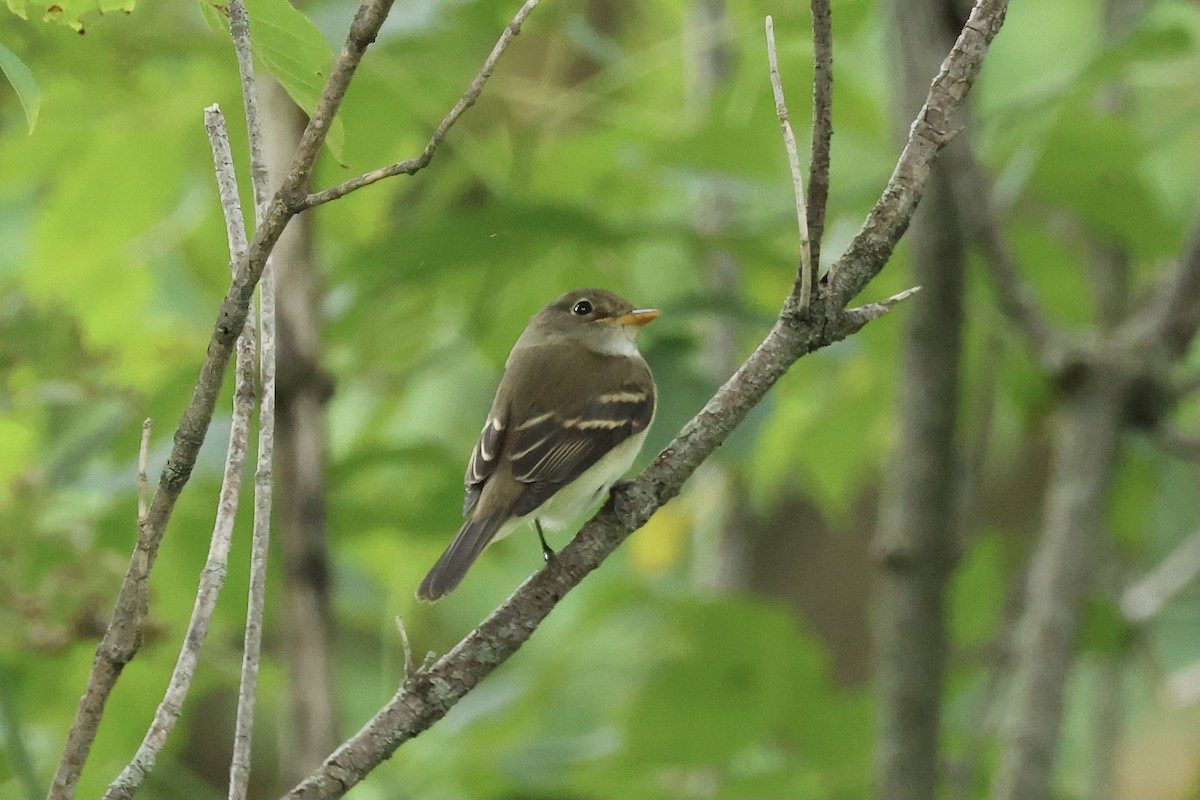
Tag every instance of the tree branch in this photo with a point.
(428, 694)
(411, 166)
(822, 129)
(1176, 309)
(916, 537)
(239, 765)
(1147, 596)
(930, 131)
(1016, 299)
(143, 483)
(1086, 443)
(212, 578)
(123, 636)
(239, 29)
(805, 278)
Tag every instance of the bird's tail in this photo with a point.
(448, 572)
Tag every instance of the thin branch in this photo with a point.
(1147, 596)
(239, 766)
(143, 483)
(864, 314)
(239, 28)
(408, 658)
(930, 131)
(1176, 309)
(804, 275)
(429, 693)
(822, 129)
(411, 166)
(123, 636)
(1015, 297)
(212, 578)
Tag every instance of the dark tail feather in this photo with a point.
(448, 572)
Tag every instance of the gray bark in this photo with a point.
(303, 389)
(916, 538)
(1086, 442)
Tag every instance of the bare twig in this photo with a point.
(428, 694)
(1146, 597)
(864, 314)
(1015, 297)
(930, 131)
(239, 766)
(822, 131)
(212, 578)
(1175, 311)
(408, 659)
(804, 275)
(411, 166)
(239, 28)
(123, 636)
(143, 484)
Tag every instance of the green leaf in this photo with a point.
(72, 13)
(292, 50)
(23, 83)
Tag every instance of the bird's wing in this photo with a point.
(484, 458)
(550, 449)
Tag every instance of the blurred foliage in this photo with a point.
(594, 157)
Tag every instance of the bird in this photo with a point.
(570, 415)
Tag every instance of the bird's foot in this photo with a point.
(547, 553)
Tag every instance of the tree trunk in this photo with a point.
(300, 459)
(916, 537)
(1087, 438)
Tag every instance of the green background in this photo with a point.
(595, 157)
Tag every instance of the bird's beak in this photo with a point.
(639, 317)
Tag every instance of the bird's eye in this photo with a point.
(582, 308)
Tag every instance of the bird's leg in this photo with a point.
(547, 553)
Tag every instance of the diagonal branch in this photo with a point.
(413, 165)
(428, 694)
(1176, 309)
(123, 636)
(1014, 295)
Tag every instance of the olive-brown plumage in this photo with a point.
(569, 417)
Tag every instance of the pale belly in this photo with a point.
(569, 504)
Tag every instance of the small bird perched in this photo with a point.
(569, 418)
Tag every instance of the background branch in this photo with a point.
(123, 635)
(1087, 435)
(916, 539)
(1176, 309)
(212, 577)
(1014, 296)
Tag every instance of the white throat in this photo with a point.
(619, 341)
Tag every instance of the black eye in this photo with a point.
(582, 308)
